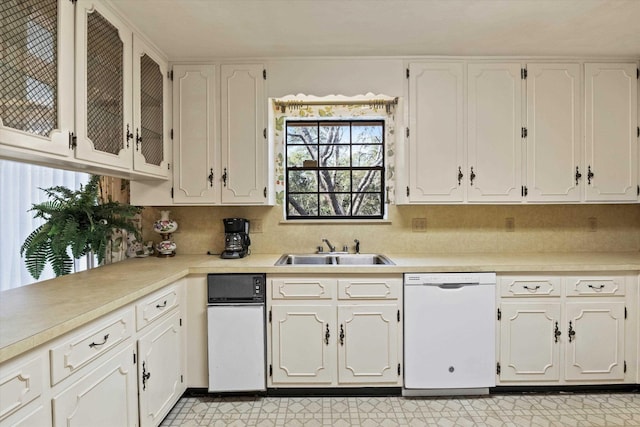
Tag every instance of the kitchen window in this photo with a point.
(334, 169)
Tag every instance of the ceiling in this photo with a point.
(206, 29)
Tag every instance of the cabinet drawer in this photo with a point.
(20, 383)
(308, 288)
(595, 286)
(369, 288)
(88, 343)
(529, 286)
(156, 305)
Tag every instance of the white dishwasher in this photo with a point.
(449, 333)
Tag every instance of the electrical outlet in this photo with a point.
(509, 224)
(592, 222)
(255, 226)
(419, 225)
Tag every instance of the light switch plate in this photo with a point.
(255, 226)
(419, 225)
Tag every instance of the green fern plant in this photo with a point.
(75, 220)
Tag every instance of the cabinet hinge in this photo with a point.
(638, 190)
(168, 166)
(172, 192)
(523, 132)
(524, 191)
(499, 314)
(264, 133)
(407, 191)
(270, 370)
(170, 75)
(399, 369)
(73, 140)
(625, 312)
(625, 367)
(264, 74)
(398, 315)
(171, 134)
(523, 73)
(407, 132)
(498, 368)
(134, 358)
(270, 316)
(264, 192)
(181, 379)
(638, 131)
(180, 321)
(637, 73)
(407, 73)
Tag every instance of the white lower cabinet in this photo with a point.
(160, 370)
(565, 329)
(22, 386)
(341, 332)
(106, 396)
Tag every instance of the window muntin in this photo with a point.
(334, 169)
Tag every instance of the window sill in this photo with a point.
(335, 221)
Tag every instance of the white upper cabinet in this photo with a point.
(436, 159)
(196, 169)
(494, 106)
(554, 167)
(36, 105)
(611, 123)
(103, 86)
(243, 134)
(150, 110)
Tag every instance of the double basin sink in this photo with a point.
(333, 258)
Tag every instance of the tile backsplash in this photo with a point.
(419, 229)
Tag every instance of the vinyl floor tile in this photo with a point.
(509, 410)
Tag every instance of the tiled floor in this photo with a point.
(618, 409)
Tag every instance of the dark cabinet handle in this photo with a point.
(138, 139)
(224, 177)
(556, 332)
(98, 344)
(129, 136)
(341, 335)
(327, 335)
(597, 287)
(163, 305)
(589, 175)
(145, 376)
(532, 288)
(460, 175)
(572, 333)
(578, 175)
(472, 176)
(211, 178)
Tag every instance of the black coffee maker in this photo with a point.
(236, 238)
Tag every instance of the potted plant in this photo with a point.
(75, 220)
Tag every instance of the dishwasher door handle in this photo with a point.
(455, 285)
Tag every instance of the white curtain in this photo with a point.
(20, 185)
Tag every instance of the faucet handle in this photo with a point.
(320, 249)
(345, 248)
(357, 248)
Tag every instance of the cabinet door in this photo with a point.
(150, 110)
(36, 94)
(610, 132)
(494, 132)
(195, 171)
(436, 138)
(303, 346)
(368, 346)
(553, 133)
(105, 397)
(595, 341)
(529, 347)
(243, 144)
(103, 86)
(160, 370)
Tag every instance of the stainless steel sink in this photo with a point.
(333, 259)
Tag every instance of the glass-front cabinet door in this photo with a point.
(105, 133)
(150, 104)
(36, 65)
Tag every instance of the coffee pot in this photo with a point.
(236, 238)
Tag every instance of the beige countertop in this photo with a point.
(33, 315)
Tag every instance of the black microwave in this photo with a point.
(236, 288)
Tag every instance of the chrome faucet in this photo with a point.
(357, 248)
(331, 247)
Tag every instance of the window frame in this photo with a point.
(318, 122)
